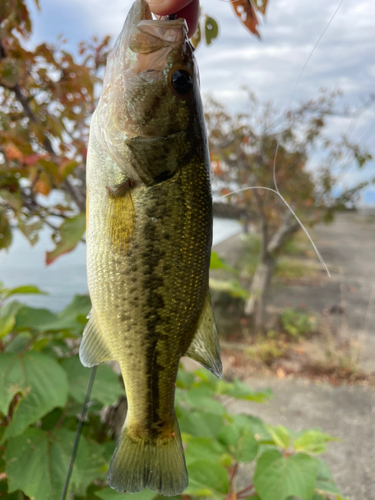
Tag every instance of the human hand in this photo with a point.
(187, 9)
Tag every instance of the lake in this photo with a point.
(24, 264)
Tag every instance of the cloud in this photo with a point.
(343, 58)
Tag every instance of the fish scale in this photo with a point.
(149, 239)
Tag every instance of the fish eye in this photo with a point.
(181, 81)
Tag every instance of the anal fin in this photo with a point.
(93, 349)
(205, 346)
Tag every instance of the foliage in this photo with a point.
(42, 387)
(298, 323)
(247, 12)
(243, 154)
(267, 350)
(47, 97)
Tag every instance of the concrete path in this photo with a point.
(348, 247)
(346, 412)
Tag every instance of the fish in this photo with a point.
(149, 238)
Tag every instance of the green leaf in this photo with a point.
(229, 435)
(37, 462)
(324, 473)
(199, 423)
(313, 441)
(232, 288)
(317, 496)
(211, 29)
(5, 230)
(17, 495)
(280, 436)
(200, 447)
(240, 390)
(207, 478)
(8, 317)
(19, 343)
(109, 494)
(32, 318)
(106, 388)
(327, 487)
(24, 289)
(239, 441)
(184, 379)
(67, 168)
(277, 477)
(218, 263)
(71, 317)
(39, 380)
(202, 397)
(71, 232)
(95, 467)
(247, 448)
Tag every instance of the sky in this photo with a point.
(344, 58)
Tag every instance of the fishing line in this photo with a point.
(298, 80)
(321, 260)
(278, 139)
(276, 190)
(78, 434)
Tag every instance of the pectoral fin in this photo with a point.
(93, 349)
(205, 346)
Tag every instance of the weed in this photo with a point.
(298, 323)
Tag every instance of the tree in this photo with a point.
(244, 151)
(46, 98)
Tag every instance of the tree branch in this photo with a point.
(25, 103)
(287, 227)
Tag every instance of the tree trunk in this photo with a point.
(255, 305)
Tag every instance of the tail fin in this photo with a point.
(157, 464)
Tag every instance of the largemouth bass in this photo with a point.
(149, 235)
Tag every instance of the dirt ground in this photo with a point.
(348, 300)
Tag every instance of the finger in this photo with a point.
(191, 14)
(186, 9)
(166, 7)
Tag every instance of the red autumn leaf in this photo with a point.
(224, 191)
(245, 10)
(12, 152)
(33, 159)
(41, 182)
(216, 168)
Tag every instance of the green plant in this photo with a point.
(42, 387)
(267, 350)
(298, 323)
(288, 268)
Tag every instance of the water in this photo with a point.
(24, 264)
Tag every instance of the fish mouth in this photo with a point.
(148, 35)
(140, 11)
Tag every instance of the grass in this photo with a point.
(267, 350)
